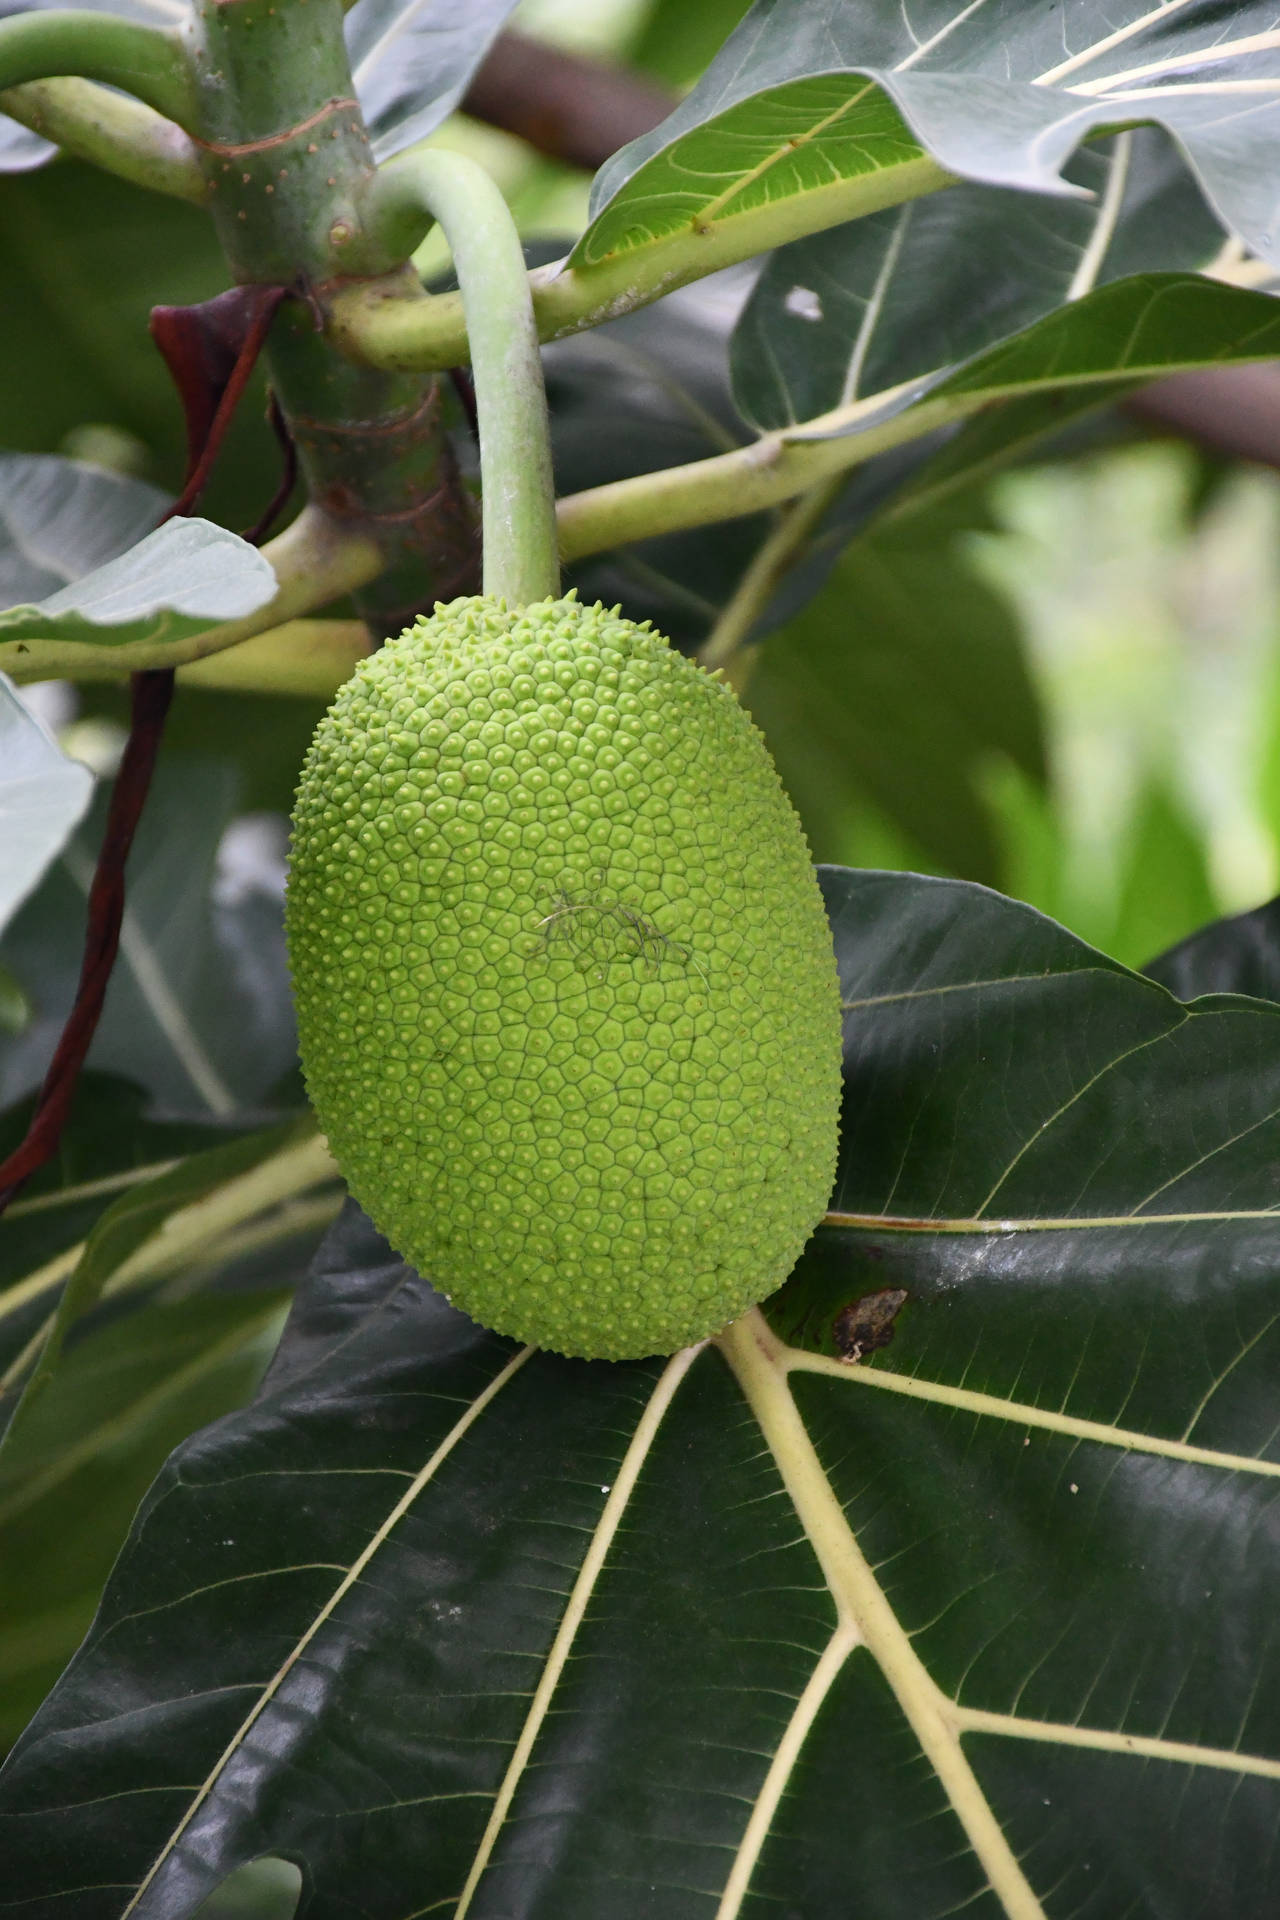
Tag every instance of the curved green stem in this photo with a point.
(424, 331)
(520, 560)
(763, 474)
(723, 646)
(117, 134)
(144, 61)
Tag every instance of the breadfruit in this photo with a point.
(566, 994)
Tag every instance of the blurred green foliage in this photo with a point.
(1150, 616)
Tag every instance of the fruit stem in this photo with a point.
(521, 563)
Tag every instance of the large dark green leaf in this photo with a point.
(1109, 341)
(899, 683)
(982, 1620)
(412, 59)
(1239, 955)
(806, 96)
(198, 1008)
(651, 390)
(196, 1262)
(844, 314)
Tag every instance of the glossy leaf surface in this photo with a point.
(1239, 955)
(1116, 338)
(459, 1626)
(844, 314)
(802, 99)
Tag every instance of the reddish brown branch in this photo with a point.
(279, 500)
(1232, 410)
(151, 695)
(573, 109)
(211, 352)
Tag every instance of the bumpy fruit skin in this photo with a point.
(566, 993)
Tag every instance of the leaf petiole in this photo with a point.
(144, 61)
(112, 131)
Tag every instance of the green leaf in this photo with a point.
(109, 1145)
(126, 1399)
(1238, 955)
(412, 60)
(42, 796)
(1110, 341)
(802, 98)
(116, 1386)
(676, 42)
(848, 313)
(77, 327)
(983, 1618)
(792, 159)
(199, 1009)
(184, 577)
(897, 683)
(61, 520)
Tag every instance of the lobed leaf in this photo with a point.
(982, 1617)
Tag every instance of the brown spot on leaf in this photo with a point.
(866, 1325)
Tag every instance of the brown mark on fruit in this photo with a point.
(600, 928)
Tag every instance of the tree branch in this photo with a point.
(151, 695)
(575, 110)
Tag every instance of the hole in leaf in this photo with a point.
(266, 1889)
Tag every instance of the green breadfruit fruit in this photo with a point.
(567, 1000)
